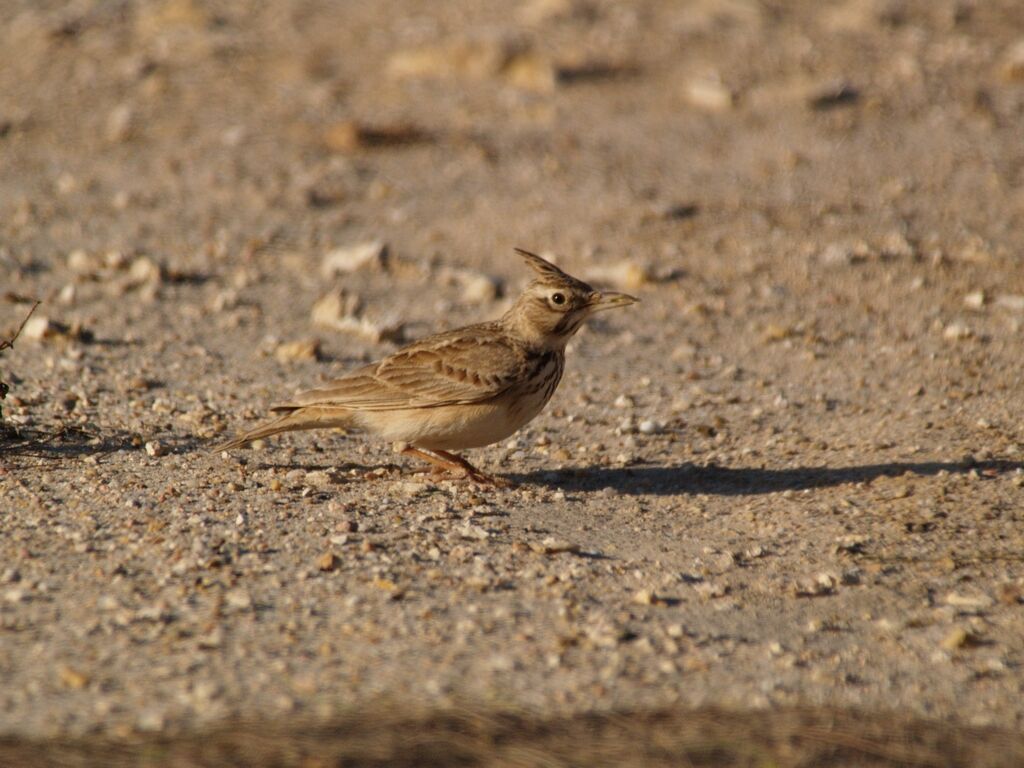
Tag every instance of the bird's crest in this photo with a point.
(543, 267)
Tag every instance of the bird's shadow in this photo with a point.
(688, 478)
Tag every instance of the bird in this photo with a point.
(459, 389)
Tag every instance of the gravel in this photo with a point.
(790, 477)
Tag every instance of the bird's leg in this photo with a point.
(450, 462)
(440, 464)
(472, 472)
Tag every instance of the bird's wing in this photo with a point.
(467, 366)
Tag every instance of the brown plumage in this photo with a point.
(460, 389)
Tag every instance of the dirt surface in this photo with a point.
(791, 476)
(711, 738)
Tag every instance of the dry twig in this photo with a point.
(9, 344)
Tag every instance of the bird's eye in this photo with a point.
(558, 299)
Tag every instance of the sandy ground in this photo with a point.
(791, 476)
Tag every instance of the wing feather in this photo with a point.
(465, 366)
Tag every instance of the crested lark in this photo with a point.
(460, 389)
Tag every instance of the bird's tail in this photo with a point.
(296, 417)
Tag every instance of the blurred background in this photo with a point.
(199, 131)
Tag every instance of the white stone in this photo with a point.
(342, 261)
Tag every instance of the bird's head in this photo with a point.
(555, 304)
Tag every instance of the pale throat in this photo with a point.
(537, 332)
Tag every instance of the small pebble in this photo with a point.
(412, 489)
(40, 327)
(709, 590)
(1012, 65)
(81, 262)
(845, 253)
(975, 601)
(975, 300)
(342, 261)
(553, 546)
(15, 595)
(306, 349)
(648, 427)
(328, 561)
(343, 311)
(957, 331)
(644, 597)
(709, 94)
(475, 287)
(623, 275)
(959, 637)
(318, 478)
(238, 598)
(120, 124)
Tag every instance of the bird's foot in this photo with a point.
(461, 473)
(471, 473)
(456, 467)
(482, 478)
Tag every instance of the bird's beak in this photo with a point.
(602, 300)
